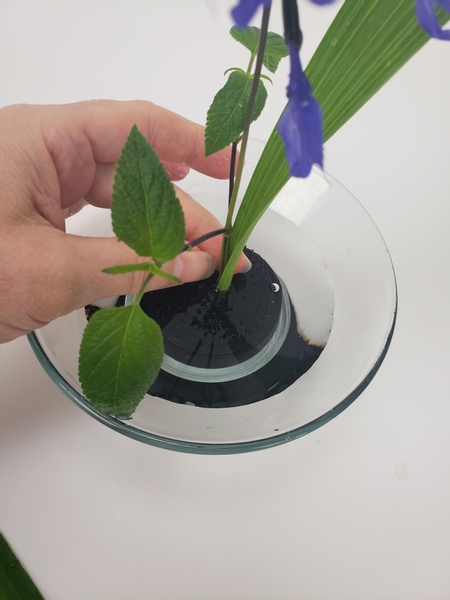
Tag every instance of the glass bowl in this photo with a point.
(326, 249)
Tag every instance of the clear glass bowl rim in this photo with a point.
(204, 448)
(219, 447)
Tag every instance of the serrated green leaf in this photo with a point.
(145, 266)
(366, 44)
(146, 214)
(248, 37)
(120, 356)
(275, 48)
(226, 116)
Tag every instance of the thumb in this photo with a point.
(51, 274)
(92, 255)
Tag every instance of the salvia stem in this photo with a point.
(245, 134)
(232, 169)
(138, 297)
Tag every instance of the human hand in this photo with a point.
(55, 159)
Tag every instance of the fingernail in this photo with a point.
(177, 267)
(247, 267)
(210, 266)
(194, 266)
(177, 172)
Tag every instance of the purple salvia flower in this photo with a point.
(245, 9)
(428, 19)
(300, 125)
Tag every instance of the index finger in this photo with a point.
(107, 123)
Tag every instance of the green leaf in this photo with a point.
(120, 356)
(15, 583)
(120, 269)
(225, 119)
(366, 44)
(145, 266)
(146, 214)
(248, 37)
(161, 273)
(275, 48)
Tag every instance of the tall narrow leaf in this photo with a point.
(15, 583)
(366, 44)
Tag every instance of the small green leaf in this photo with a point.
(145, 266)
(275, 45)
(276, 49)
(120, 269)
(161, 273)
(146, 214)
(248, 37)
(234, 69)
(225, 119)
(120, 356)
(266, 78)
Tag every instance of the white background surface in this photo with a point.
(357, 509)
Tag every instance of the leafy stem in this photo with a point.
(234, 146)
(250, 62)
(141, 292)
(122, 348)
(246, 131)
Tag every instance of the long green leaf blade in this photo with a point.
(120, 356)
(15, 583)
(365, 45)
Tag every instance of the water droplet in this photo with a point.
(274, 287)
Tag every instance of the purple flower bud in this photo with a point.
(428, 19)
(300, 125)
(245, 9)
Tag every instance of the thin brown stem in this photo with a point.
(203, 238)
